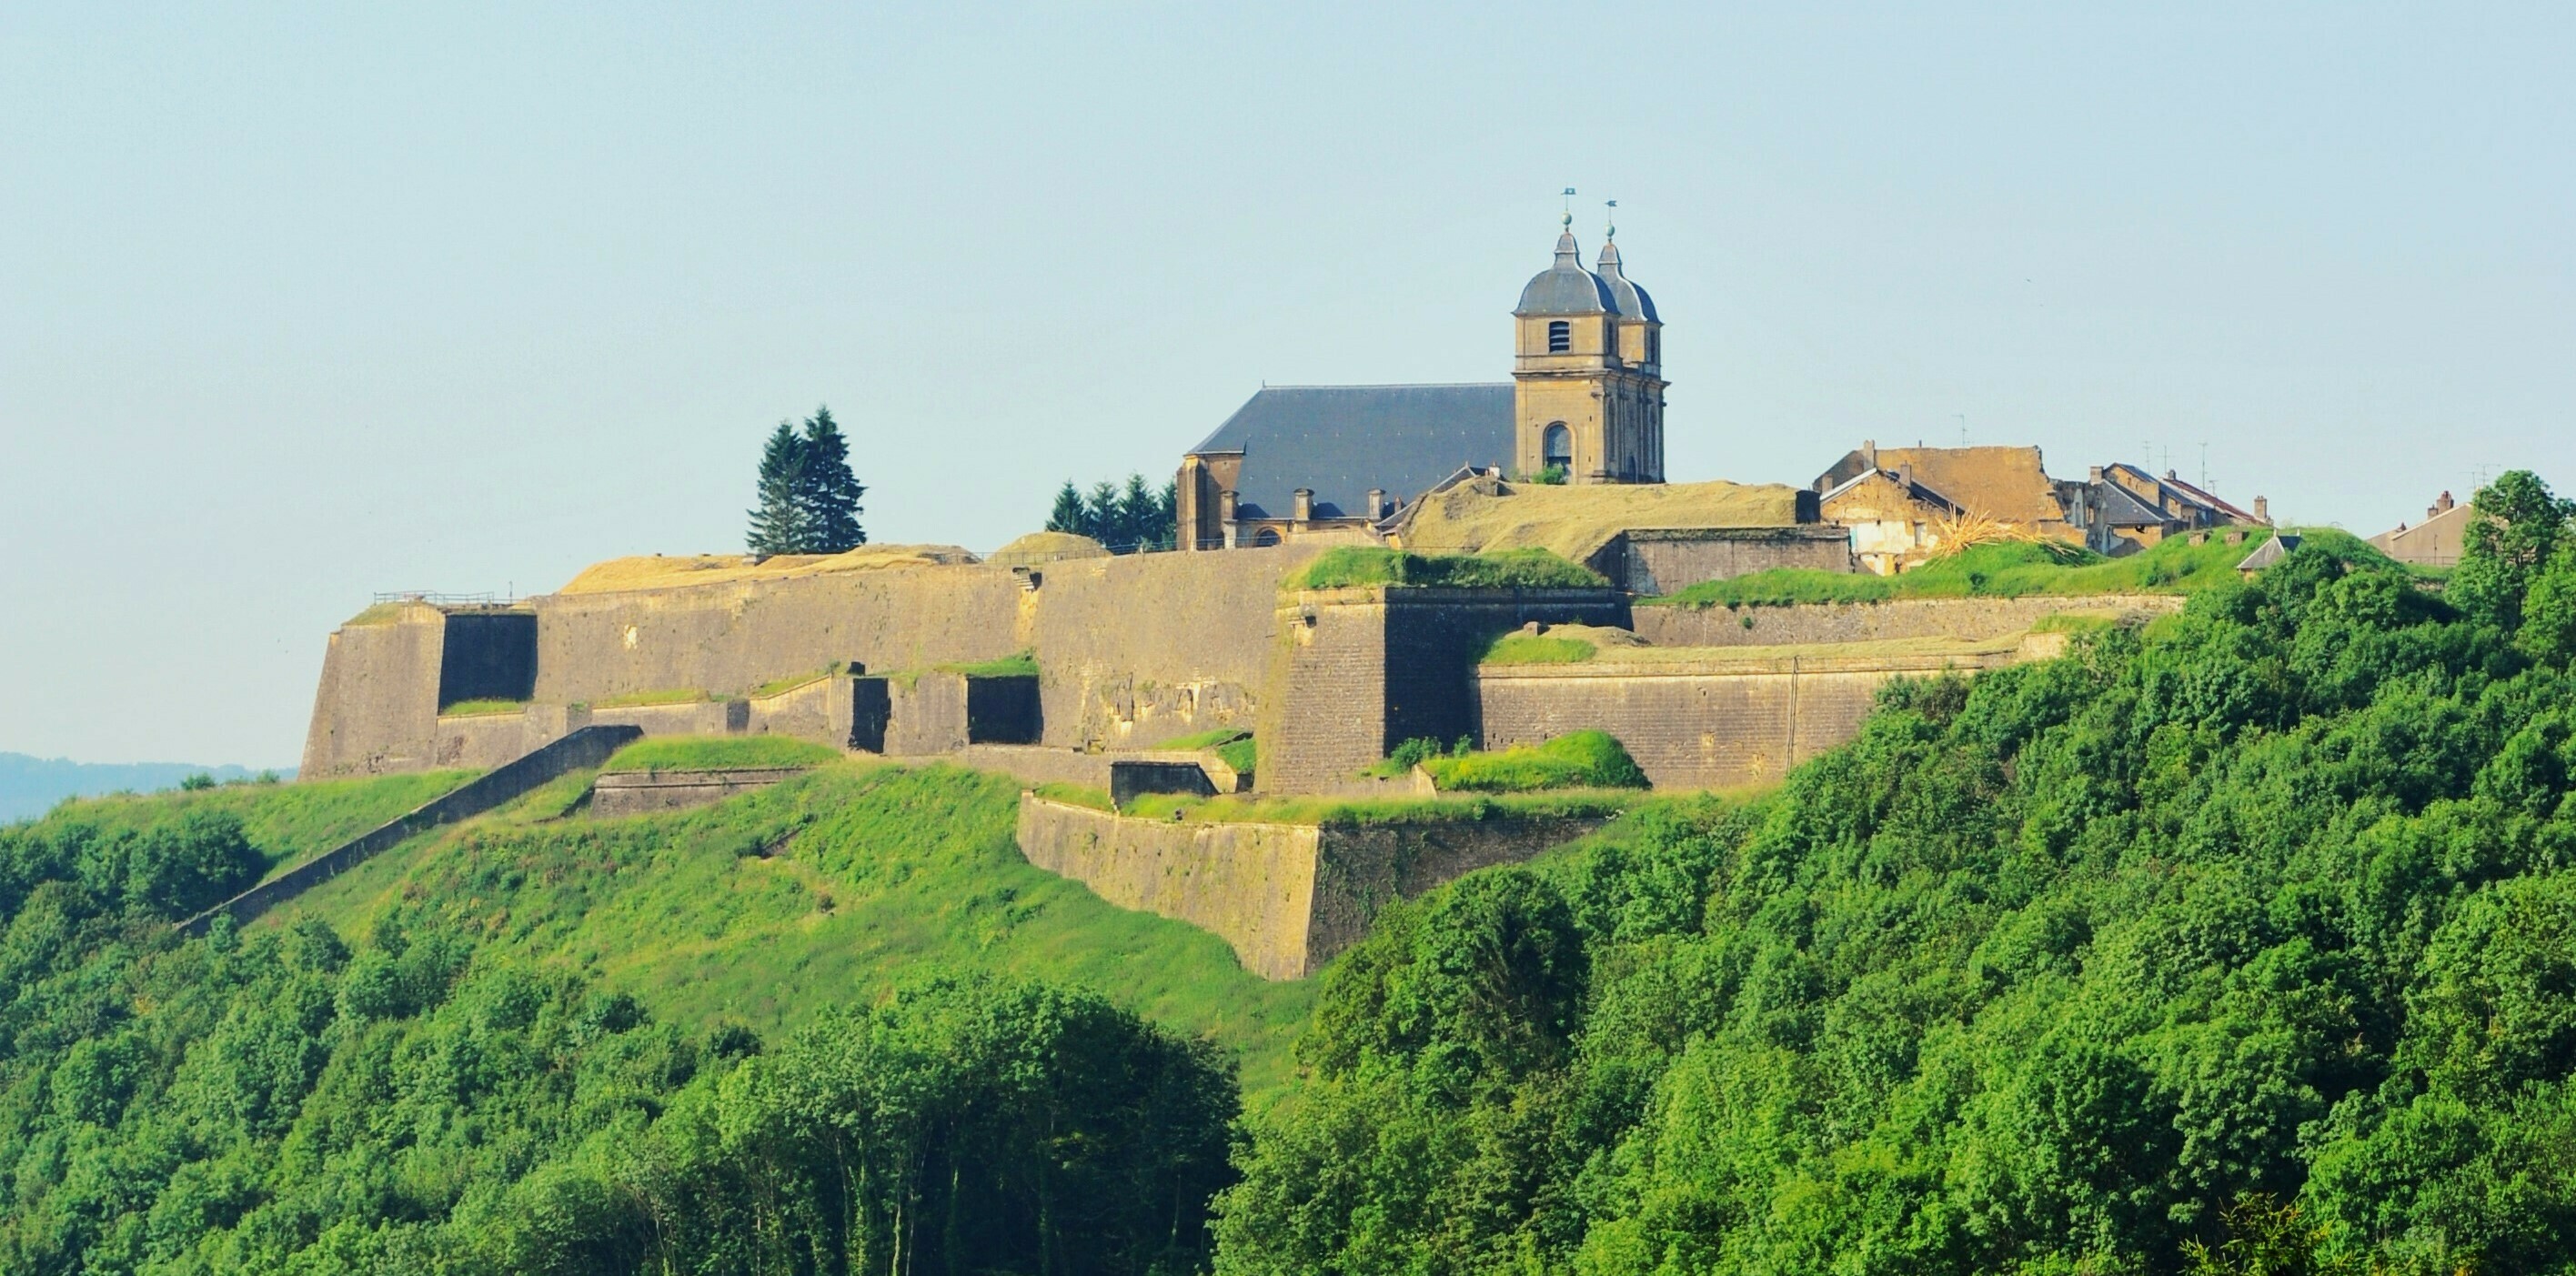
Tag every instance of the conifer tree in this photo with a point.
(778, 524)
(828, 493)
(1067, 514)
(1100, 514)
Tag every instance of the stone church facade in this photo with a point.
(1331, 463)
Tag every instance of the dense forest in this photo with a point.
(2244, 941)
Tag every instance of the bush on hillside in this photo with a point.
(1360, 565)
(2265, 912)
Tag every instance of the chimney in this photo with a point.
(2262, 511)
(2096, 477)
(1869, 453)
(2169, 477)
(1305, 508)
(2443, 506)
(1906, 474)
(1377, 503)
(1225, 507)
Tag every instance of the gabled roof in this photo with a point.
(2006, 484)
(1342, 440)
(2211, 499)
(2120, 507)
(1915, 491)
(2269, 553)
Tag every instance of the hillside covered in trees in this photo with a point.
(2252, 929)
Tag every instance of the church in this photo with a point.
(1585, 405)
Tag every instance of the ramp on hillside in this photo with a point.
(587, 747)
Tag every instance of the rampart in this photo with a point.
(1709, 724)
(1288, 897)
(1800, 623)
(1130, 650)
(1363, 670)
(617, 793)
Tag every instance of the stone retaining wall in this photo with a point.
(617, 793)
(1700, 725)
(1804, 623)
(1287, 897)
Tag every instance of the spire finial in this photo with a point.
(1611, 220)
(1568, 220)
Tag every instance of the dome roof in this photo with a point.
(1627, 298)
(1566, 288)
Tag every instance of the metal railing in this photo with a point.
(434, 598)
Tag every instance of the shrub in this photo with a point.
(1576, 760)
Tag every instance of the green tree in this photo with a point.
(2516, 526)
(1067, 516)
(780, 523)
(827, 491)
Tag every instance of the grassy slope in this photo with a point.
(1993, 571)
(287, 822)
(878, 872)
(717, 752)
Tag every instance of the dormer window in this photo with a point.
(1560, 336)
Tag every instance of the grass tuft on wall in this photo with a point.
(719, 752)
(1353, 566)
(1575, 760)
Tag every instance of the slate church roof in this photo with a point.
(1342, 440)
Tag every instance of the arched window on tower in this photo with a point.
(1560, 336)
(1265, 538)
(1556, 447)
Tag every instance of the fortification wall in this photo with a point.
(1363, 670)
(1251, 885)
(1659, 561)
(377, 707)
(730, 638)
(1713, 725)
(1861, 622)
(1363, 869)
(1139, 649)
(1287, 897)
(617, 793)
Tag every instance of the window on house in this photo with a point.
(1556, 447)
(1654, 346)
(1266, 537)
(1560, 336)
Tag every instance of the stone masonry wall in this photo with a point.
(729, 638)
(1138, 649)
(1251, 885)
(1363, 869)
(377, 706)
(1696, 726)
(1287, 897)
(1861, 622)
(1663, 562)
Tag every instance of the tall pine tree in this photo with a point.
(1067, 514)
(828, 492)
(778, 524)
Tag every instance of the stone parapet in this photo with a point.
(616, 793)
(1803, 623)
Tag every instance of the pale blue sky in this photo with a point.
(299, 303)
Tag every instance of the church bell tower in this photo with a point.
(1588, 387)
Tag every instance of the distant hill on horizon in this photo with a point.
(30, 785)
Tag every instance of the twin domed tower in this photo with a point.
(1588, 387)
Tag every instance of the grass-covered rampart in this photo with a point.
(1353, 566)
(2006, 570)
(719, 752)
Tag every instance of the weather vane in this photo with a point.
(1611, 220)
(1569, 208)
